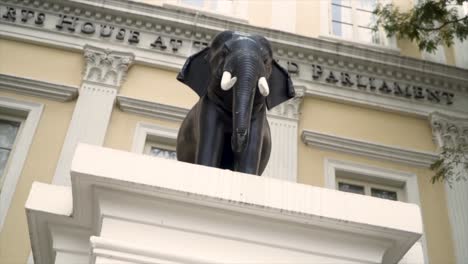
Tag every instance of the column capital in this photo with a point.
(291, 108)
(449, 131)
(106, 67)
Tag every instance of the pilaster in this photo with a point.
(452, 132)
(284, 121)
(103, 74)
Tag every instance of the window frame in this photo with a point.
(238, 12)
(368, 186)
(147, 132)
(326, 28)
(20, 120)
(406, 179)
(149, 144)
(31, 112)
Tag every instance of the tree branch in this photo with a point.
(443, 25)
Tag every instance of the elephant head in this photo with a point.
(239, 73)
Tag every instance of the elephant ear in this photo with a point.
(281, 87)
(196, 72)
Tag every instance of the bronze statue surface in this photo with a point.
(237, 79)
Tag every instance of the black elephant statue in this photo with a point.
(237, 79)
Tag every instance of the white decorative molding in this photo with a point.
(368, 149)
(151, 109)
(452, 132)
(449, 131)
(375, 101)
(144, 130)
(105, 66)
(31, 112)
(70, 243)
(409, 181)
(105, 71)
(109, 250)
(291, 108)
(165, 203)
(34, 87)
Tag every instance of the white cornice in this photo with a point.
(151, 109)
(47, 90)
(368, 149)
(379, 102)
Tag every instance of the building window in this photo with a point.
(233, 10)
(197, 3)
(159, 149)
(381, 183)
(18, 124)
(385, 190)
(223, 7)
(155, 140)
(353, 19)
(9, 128)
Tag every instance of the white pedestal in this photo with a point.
(128, 208)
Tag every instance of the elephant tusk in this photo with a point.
(227, 82)
(263, 86)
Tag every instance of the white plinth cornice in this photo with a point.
(104, 66)
(48, 90)
(449, 131)
(160, 204)
(368, 149)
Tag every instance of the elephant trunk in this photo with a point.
(244, 93)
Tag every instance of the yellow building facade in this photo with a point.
(369, 116)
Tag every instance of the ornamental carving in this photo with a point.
(291, 108)
(104, 66)
(448, 131)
